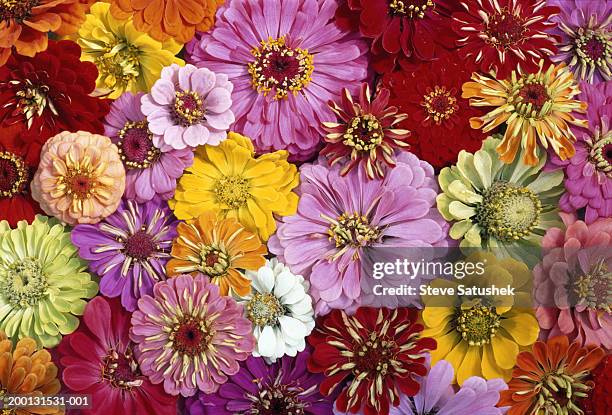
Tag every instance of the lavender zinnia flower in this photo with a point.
(284, 387)
(129, 249)
(149, 170)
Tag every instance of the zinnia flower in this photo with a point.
(129, 249)
(127, 60)
(178, 19)
(150, 171)
(600, 397)
(189, 337)
(551, 379)
(285, 387)
(80, 178)
(438, 116)
(188, 107)
(377, 352)
(98, 360)
(341, 219)
(585, 45)
(286, 60)
(43, 283)
(24, 24)
(402, 31)
(217, 248)
(504, 35)
(366, 133)
(537, 107)
(280, 309)
(482, 335)
(572, 282)
(230, 181)
(29, 372)
(501, 206)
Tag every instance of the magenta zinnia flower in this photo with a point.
(189, 337)
(149, 170)
(129, 249)
(340, 219)
(98, 360)
(188, 107)
(286, 60)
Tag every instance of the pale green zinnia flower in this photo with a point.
(504, 207)
(43, 283)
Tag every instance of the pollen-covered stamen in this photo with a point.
(23, 283)
(140, 246)
(374, 356)
(363, 133)
(352, 230)
(279, 68)
(530, 98)
(600, 154)
(264, 309)
(413, 9)
(233, 191)
(505, 29)
(32, 100)
(136, 146)
(188, 108)
(214, 261)
(440, 104)
(593, 47)
(558, 393)
(191, 336)
(13, 174)
(277, 398)
(118, 63)
(16, 9)
(594, 289)
(508, 212)
(121, 369)
(477, 325)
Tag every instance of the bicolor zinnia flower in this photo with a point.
(127, 60)
(496, 205)
(501, 36)
(43, 283)
(80, 178)
(285, 387)
(188, 107)
(340, 219)
(177, 19)
(189, 336)
(573, 284)
(585, 44)
(27, 371)
(98, 360)
(482, 335)
(537, 107)
(404, 32)
(129, 249)
(366, 134)
(221, 249)
(149, 170)
(229, 180)
(286, 60)
(280, 309)
(438, 116)
(373, 356)
(552, 378)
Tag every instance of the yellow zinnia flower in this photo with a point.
(535, 107)
(228, 179)
(478, 335)
(127, 59)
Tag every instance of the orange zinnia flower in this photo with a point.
(217, 248)
(163, 19)
(24, 24)
(551, 379)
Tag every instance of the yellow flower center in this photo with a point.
(16, 9)
(440, 104)
(363, 133)
(32, 100)
(13, 174)
(188, 108)
(233, 191)
(594, 289)
(352, 230)
(23, 282)
(214, 261)
(118, 64)
(280, 68)
(412, 9)
(79, 182)
(136, 146)
(477, 325)
(505, 29)
(264, 309)
(191, 336)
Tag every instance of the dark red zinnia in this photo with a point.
(600, 397)
(500, 35)
(438, 118)
(403, 32)
(375, 354)
(49, 93)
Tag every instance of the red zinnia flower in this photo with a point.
(600, 397)
(438, 117)
(500, 35)
(402, 31)
(377, 351)
(49, 93)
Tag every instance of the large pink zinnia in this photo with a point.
(572, 283)
(286, 60)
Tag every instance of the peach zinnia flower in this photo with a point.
(217, 248)
(163, 19)
(25, 24)
(80, 178)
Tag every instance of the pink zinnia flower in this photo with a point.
(572, 282)
(286, 60)
(190, 337)
(188, 107)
